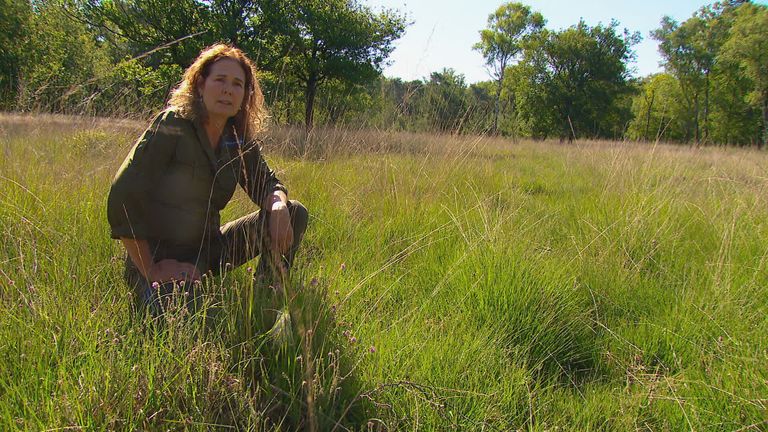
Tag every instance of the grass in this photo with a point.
(445, 283)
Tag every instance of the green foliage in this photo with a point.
(502, 42)
(733, 119)
(508, 29)
(658, 113)
(482, 108)
(141, 87)
(395, 103)
(15, 17)
(697, 52)
(61, 59)
(139, 27)
(443, 103)
(339, 39)
(573, 82)
(747, 46)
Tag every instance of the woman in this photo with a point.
(165, 200)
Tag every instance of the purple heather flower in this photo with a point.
(372, 349)
(353, 339)
(155, 285)
(313, 282)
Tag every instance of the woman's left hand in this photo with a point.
(280, 229)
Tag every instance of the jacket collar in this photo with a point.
(205, 143)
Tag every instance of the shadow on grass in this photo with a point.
(266, 357)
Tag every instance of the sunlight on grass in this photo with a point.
(445, 283)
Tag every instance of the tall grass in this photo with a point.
(445, 282)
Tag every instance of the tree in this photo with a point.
(336, 39)
(656, 110)
(575, 82)
(15, 20)
(138, 27)
(747, 46)
(690, 51)
(443, 101)
(502, 42)
(481, 100)
(61, 57)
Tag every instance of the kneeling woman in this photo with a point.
(165, 200)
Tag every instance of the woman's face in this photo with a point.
(224, 88)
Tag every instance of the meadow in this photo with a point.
(445, 283)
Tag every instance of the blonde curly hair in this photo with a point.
(187, 101)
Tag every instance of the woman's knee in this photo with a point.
(299, 217)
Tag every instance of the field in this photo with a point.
(445, 283)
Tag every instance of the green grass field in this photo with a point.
(445, 283)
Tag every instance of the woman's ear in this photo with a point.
(199, 85)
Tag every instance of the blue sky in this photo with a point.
(445, 30)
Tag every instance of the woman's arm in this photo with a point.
(280, 229)
(161, 271)
(128, 210)
(264, 188)
(256, 178)
(138, 251)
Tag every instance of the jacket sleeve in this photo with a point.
(256, 178)
(128, 210)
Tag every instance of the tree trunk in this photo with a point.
(765, 119)
(706, 107)
(697, 137)
(309, 93)
(497, 108)
(513, 110)
(648, 116)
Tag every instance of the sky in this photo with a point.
(443, 31)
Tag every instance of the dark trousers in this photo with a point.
(238, 242)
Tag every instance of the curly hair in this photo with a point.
(187, 101)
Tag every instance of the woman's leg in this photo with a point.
(243, 239)
(158, 298)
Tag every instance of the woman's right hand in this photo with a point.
(168, 270)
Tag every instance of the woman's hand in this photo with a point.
(280, 229)
(169, 269)
(161, 271)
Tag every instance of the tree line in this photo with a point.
(321, 63)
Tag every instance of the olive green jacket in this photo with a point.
(172, 185)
